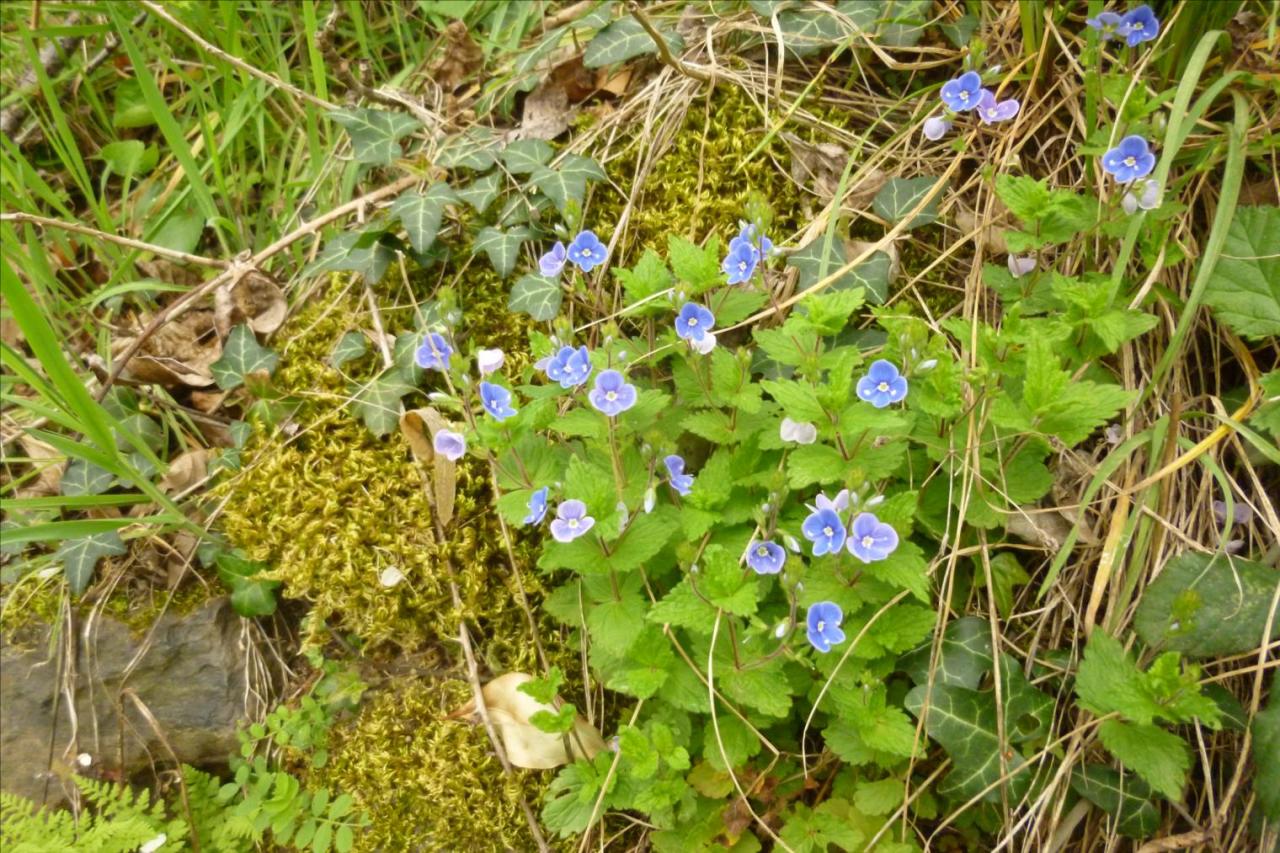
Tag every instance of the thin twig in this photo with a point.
(665, 55)
(182, 257)
(51, 57)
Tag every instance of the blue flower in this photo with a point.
(694, 321)
(1130, 160)
(964, 92)
(680, 481)
(740, 264)
(571, 521)
(824, 620)
(612, 394)
(882, 385)
(1109, 25)
(838, 504)
(451, 445)
(991, 111)
(434, 353)
(766, 558)
(586, 251)
(870, 539)
(553, 261)
(1140, 25)
(496, 400)
(537, 506)
(568, 366)
(824, 529)
(747, 234)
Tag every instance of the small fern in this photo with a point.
(116, 819)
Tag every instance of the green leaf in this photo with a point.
(1208, 605)
(544, 689)
(241, 355)
(684, 608)
(559, 722)
(537, 296)
(85, 478)
(799, 401)
(567, 181)
(647, 278)
(571, 797)
(764, 688)
(523, 156)
(624, 39)
(1266, 752)
(1109, 681)
(481, 192)
(739, 742)
(1026, 198)
(872, 274)
(1128, 801)
(643, 670)
(615, 625)
(502, 247)
(364, 252)
(420, 213)
(375, 134)
(350, 346)
(879, 797)
(906, 567)
(899, 196)
(725, 583)
(815, 463)
(79, 557)
(475, 148)
(129, 157)
(254, 598)
(1244, 289)
(964, 658)
(1006, 573)
(964, 722)
(378, 402)
(1159, 757)
(808, 830)
(131, 109)
(696, 266)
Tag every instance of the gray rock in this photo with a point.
(192, 679)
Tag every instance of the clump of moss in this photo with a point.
(426, 782)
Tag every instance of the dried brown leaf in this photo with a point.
(255, 299)
(50, 464)
(460, 58)
(419, 427)
(185, 470)
(178, 353)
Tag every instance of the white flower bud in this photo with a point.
(926, 365)
(781, 630)
(793, 544)
(935, 127)
(154, 844)
(489, 360)
(84, 759)
(875, 501)
(390, 576)
(799, 432)
(704, 346)
(650, 499)
(1020, 266)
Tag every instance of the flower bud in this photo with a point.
(935, 127)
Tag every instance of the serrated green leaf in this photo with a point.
(420, 213)
(725, 583)
(350, 346)
(1244, 289)
(1128, 801)
(566, 182)
(899, 196)
(502, 247)
(812, 464)
(241, 355)
(624, 39)
(481, 192)
(647, 278)
(1159, 757)
(698, 267)
(85, 478)
(559, 722)
(375, 134)
(1026, 198)
(879, 797)
(79, 557)
(523, 156)
(537, 296)
(378, 402)
(615, 625)
(544, 689)
(1109, 681)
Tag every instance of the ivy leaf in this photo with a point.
(364, 252)
(1266, 751)
(251, 596)
(537, 296)
(872, 274)
(567, 181)
(241, 355)
(1128, 801)
(375, 134)
(1159, 757)
(899, 196)
(523, 156)
(350, 346)
(1244, 289)
(79, 557)
(481, 192)
(378, 402)
(420, 213)
(85, 478)
(502, 247)
(474, 149)
(696, 266)
(964, 658)
(624, 39)
(1208, 605)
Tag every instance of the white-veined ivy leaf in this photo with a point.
(902, 22)
(872, 274)
(806, 31)
(965, 655)
(1266, 739)
(378, 402)
(624, 39)
(420, 213)
(567, 180)
(364, 252)
(481, 192)
(350, 346)
(473, 149)
(1126, 799)
(899, 196)
(537, 296)
(502, 247)
(85, 478)
(79, 557)
(140, 428)
(402, 356)
(1244, 290)
(241, 355)
(524, 155)
(375, 134)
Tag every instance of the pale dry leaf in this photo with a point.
(185, 470)
(50, 464)
(1047, 528)
(546, 113)
(178, 353)
(255, 300)
(460, 58)
(526, 745)
(990, 236)
(419, 427)
(616, 83)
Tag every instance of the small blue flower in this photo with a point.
(680, 481)
(496, 400)
(1140, 25)
(1109, 25)
(1130, 160)
(537, 506)
(964, 92)
(451, 445)
(747, 234)
(568, 366)
(882, 385)
(586, 251)
(694, 321)
(571, 521)
(553, 261)
(838, 504)
(740, 264)
(824, 620)
(870, 539)
(766, 558)
(824, 529)
(434, 353)
(991, 111)
(612, 394)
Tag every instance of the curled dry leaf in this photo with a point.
(991, 236)
(255, 300)
(179, 353)
(460, 58)
(546, 113)
(1047, 528)
(419, 426)
(526, 745)
(50, 464)
(185, 470)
